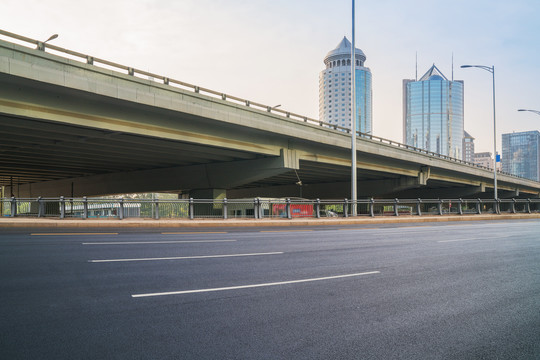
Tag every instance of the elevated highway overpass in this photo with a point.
(75, 125)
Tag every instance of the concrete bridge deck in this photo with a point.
(76, 129)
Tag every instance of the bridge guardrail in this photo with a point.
(256, 208)
(91, 60)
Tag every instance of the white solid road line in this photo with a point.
(254, 285)
(472, 239)
(155, 242)
(186, 257)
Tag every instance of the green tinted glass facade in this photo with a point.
(363, 101)
(434, 115)
(521, 154)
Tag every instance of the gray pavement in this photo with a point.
(455, 290)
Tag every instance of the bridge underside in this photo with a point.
(70, 129)
(43, 158)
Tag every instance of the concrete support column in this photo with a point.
(209, 209)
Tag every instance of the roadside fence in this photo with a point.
(256, 208)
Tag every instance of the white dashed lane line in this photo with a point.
(185, 257)
(254, 285)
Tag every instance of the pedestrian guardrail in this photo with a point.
(256, 208)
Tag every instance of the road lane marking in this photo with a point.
(155, 242)
(273, 231)
(186, 257)
(359, 228)
(472, 239)
(70, 234)
(194, 232)
(254, 285)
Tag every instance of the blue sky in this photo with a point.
(271, 51)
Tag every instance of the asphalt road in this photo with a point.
(409, 291)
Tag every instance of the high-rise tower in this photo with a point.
(521, 154)
(433, 113)
(335, 89)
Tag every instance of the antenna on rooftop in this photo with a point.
(416, 66)
(452, 66)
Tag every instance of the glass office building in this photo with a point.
(521, 154)
(433, 113)
(335, 89)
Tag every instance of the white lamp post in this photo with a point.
(353, 120)
(492, 71)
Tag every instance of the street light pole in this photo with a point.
(492, 71)
(533, 111)
(353, 120)
(41, 45)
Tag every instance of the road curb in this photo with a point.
(6, 223)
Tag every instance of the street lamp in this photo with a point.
(270, 108)
(492, 71)
(41, 45)
(534, 111)
(353, 120)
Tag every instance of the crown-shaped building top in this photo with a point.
(433, 74)
(343, 52)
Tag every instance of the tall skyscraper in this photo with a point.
(335, 89)
(521, 154)
(433, 113)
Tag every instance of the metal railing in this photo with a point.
(257, 208)
(148, 76)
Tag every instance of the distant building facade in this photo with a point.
(433, 113)
(521, 154)
(483, 159)
(335, 89)
(468, 147)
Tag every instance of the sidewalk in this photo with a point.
(26, 222)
